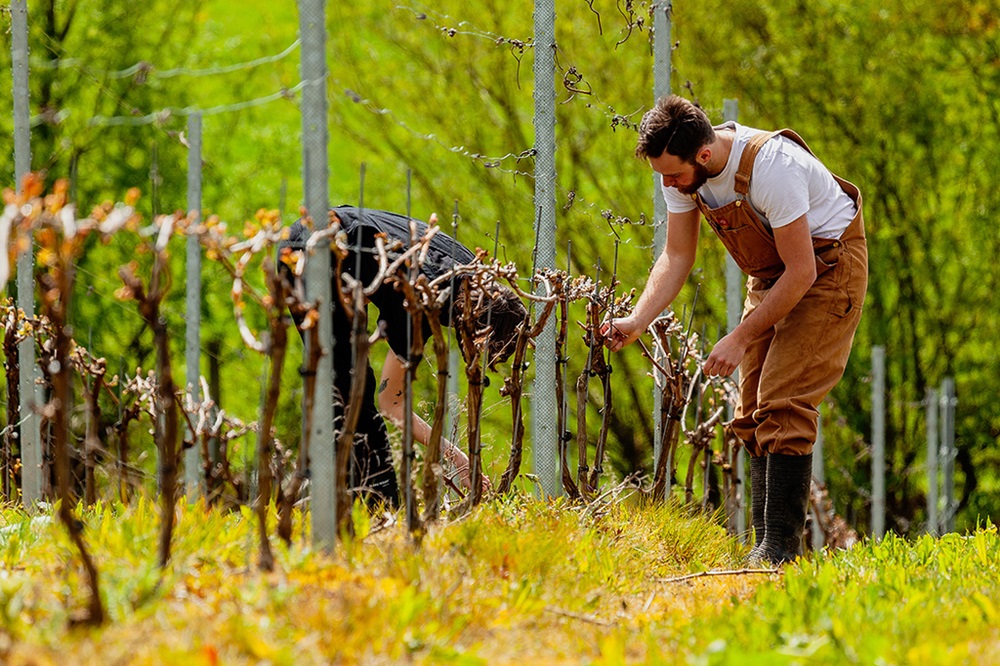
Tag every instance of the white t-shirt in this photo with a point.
(787, 182)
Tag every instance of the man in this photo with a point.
(372, 470)
(797, 231)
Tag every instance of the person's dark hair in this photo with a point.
(496, 321)
(676, 126)
(505, 314)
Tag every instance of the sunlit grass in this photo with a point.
(930, 601)
(518, 581)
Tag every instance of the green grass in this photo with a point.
(517, 581)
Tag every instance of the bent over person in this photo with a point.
(797, 231)
(372, 472)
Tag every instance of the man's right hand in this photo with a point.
(665, 281)
(621, 332)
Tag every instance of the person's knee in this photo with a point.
(788, 427)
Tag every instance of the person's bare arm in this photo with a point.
(795, 249)
(665, 280)
(391, 404)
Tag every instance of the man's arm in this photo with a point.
(391, 395)
(665, 280)
(796, 251)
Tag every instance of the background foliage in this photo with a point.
(901, 97)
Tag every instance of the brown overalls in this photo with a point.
(789, 368)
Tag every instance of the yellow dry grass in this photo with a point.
(515, 582)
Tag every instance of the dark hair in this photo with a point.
(676, 126)
(497, 320)
(505, 313)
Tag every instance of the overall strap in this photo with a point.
(745, 170)
(754, 145)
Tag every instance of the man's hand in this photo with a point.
(621, 332)
(725, 357)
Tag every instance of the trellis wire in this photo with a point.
(312, 32)
(164, 114)
(543, 418)
(464, 28)
(30, 434)
(151, 71)
(192, 316)
(492, 162)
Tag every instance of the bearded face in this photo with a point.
(699, 177)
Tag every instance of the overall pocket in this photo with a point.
(827, 257)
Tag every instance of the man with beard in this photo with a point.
(797, 231)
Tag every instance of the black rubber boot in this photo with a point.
(758, 494)
(788, 481)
